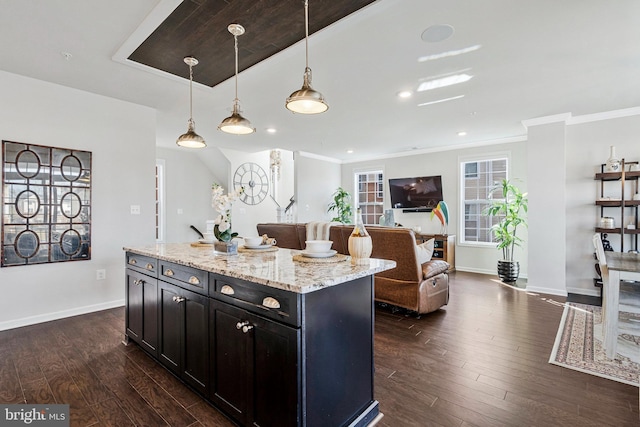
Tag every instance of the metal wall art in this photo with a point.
(46, 204)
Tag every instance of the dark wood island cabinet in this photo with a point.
(267, 340)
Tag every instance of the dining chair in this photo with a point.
(604, 270)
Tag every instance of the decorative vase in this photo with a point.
(613, 163)
(360, 245)
(226, 248)
(508, 271)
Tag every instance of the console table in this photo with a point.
(444, 247)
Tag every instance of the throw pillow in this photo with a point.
(424, 251)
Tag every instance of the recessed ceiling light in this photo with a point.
(437, 33)
(462, 133)
(349, 151)
(444, 81)
(271, 130)
(404, 94)
(66, 55)
(440, 100)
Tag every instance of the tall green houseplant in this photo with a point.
(511, 208)
(341, 206)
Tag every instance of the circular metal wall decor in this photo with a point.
(254, 182)
(70, 168)
(27, 204)
(27, 164)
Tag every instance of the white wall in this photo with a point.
(188, 183)
(121, 137)
(445, 163)
(587, 147)
(316, 180)
(546, 165)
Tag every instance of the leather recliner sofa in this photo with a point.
(420, 288)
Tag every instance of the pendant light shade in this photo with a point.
(191, 139)
(235, 123)
(306, 100)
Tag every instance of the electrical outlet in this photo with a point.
(135, 209)
(180, 211)
(101, 274)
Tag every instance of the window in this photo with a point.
(160, 201)
(369, 190)
(477, 179)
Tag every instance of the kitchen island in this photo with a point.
(267, 339)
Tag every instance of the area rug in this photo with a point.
(578, 345)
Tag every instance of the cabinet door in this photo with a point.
(230, 368)
(184, 332)
(142, 310)
(276, 390)
(195, 360)
(171, 326)
(255, 367)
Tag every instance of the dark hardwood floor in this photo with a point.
(480, 361)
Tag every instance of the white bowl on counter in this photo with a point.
(318, 246)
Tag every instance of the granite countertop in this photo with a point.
(275, 269)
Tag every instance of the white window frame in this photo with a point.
(160, 201)
(355, 197)
(462, 160)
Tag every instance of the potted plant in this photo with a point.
(510, 208)
(341, 205)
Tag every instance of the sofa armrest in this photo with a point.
(433, 268)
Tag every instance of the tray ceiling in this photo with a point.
(199, 28)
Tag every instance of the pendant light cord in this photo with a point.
(235, 38)
(190, 93)
(306, 32)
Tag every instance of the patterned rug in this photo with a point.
(578, 345)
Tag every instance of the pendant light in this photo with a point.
(191, 139)
(306, 100)
(235, 123)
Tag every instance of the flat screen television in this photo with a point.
(420, 194)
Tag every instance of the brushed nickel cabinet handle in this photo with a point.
(133, 261)
(138, 282)
(149, 266)
(168, 272)
(247, 328)
(242, 324)
(178, 299)
(227, 290)
(194, 280)
(271, 302)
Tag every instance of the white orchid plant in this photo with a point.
(222, 204)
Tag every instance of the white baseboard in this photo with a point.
(476, 270)
(550, 291)
(482, 271)
(26, 321)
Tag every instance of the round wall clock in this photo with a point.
(253, 179)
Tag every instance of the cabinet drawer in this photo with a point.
(187, 277)
(438, 244)
(263, 300)
(142, 264)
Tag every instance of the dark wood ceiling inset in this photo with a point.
(199, 28)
